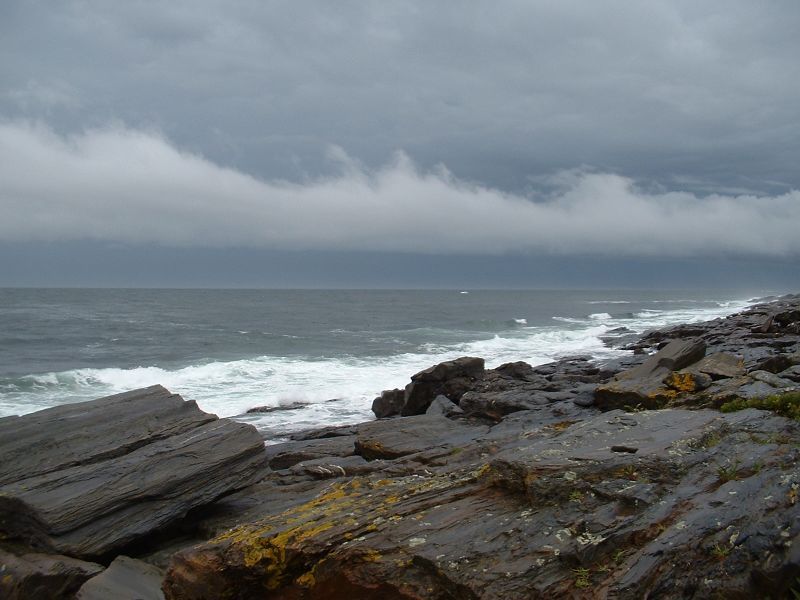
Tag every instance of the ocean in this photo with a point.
(330, 352)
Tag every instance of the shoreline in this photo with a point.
(567, 478)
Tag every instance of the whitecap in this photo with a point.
(599, 316)
(229, 388)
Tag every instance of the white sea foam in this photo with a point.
(521, 321)
(337, 390)
(600, 316)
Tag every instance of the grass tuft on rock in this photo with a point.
(786, 405)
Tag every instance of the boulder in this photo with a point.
(389, 403)
(517, 370)
(643, 385)
(125, 579)
(451, 378)
(168, 458)
(35, 575)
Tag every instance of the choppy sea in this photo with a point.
(330, 351)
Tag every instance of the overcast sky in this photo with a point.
(399, 131)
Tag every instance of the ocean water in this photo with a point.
(331, 351)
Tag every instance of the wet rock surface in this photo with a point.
(575, 479)
(155, 458)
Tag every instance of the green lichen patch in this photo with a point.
(785, 405)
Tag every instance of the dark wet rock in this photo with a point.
(125, 579)
(495, 405)
(443, 406)
(707, 504)
(519, 370)
(774, 380)
(332, 467)
(720, 365)
(688, 381)
(84, 433)
(271, 409)
(755, 389)
(35, 575)
(774, 363)
(129, 487)
(451, 378)
(412, 435)
(532, 492)
(272, 495)
(643, 385)
(766, 326)
(787, 317)
(725, 390)
(389, 403)
(792, 373)
(285, 455)
(325, 432)
(584, 399)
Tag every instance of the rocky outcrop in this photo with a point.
(111, 471)
(652, 384)
(668, 503)
(451, 379)
(389, 403)
(85, 433)
(515, 482)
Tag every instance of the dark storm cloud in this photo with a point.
(614, 128)
(687, 94)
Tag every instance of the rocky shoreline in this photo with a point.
(653, 475)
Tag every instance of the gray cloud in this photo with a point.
(699, 96)
(135, 186)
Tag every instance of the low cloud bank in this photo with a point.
(125, 185)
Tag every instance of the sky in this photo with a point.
(411, 144)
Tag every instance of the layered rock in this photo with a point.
(111, 471)
(669, 503)
(653, 383)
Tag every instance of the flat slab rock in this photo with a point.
(110, 471)
(668, 504)
(87, 432)
(643, 385)
(390, 439)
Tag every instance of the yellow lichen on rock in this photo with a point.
(682, 382)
